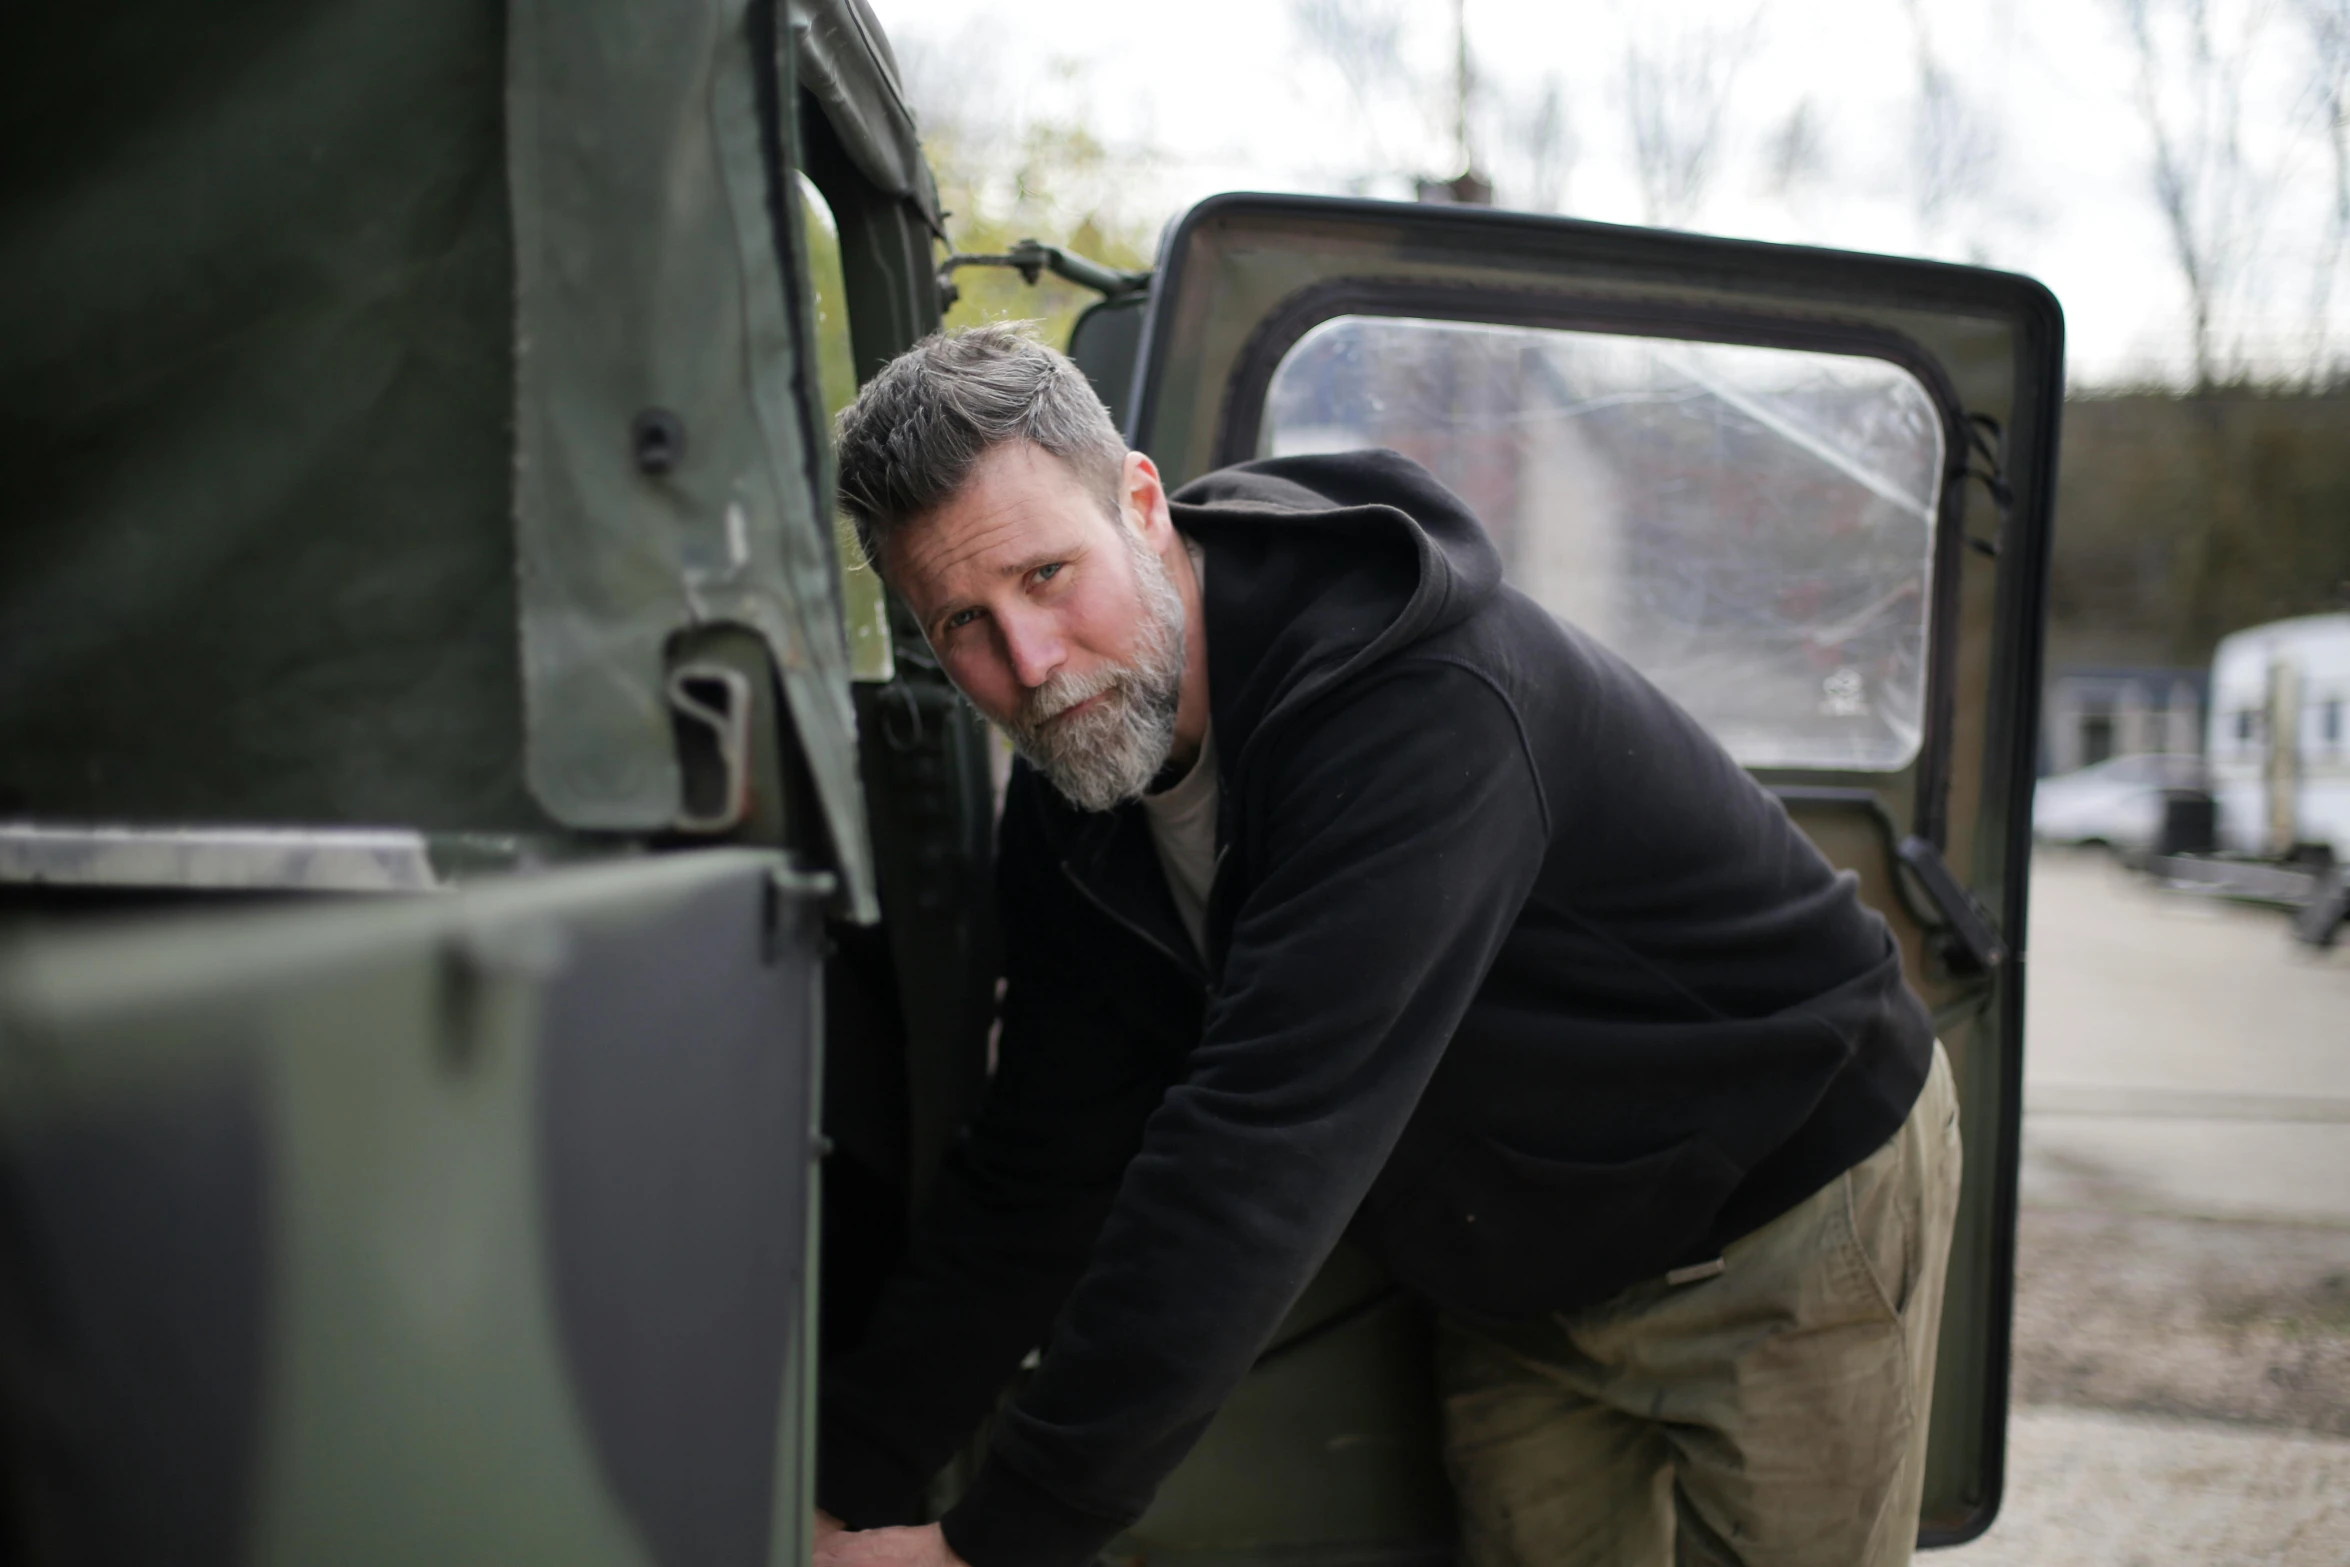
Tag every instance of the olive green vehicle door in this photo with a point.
(1807, 493)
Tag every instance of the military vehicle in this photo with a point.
(498, 930)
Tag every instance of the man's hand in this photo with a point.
(923, 1547)
(827, 1526)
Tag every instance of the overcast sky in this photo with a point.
(2046, 153)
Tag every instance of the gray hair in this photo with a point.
(918, 428)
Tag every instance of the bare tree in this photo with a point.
(1363, 41)
(2326, 24)
(1954, 150)
(1676, 89)
(1464, 89)
(1795, 154)
(1541, 138)
(2190, 93)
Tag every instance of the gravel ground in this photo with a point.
(2105, 1490)
(2183, 1396)
(2141, 1314)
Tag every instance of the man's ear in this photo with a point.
(1144, 501)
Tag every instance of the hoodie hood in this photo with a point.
(1320, 566)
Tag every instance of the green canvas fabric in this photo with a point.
(323, 330)
(255, 306)
(845, 62)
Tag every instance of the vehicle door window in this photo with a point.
(1752, 527)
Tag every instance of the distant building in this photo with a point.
(2092, 714)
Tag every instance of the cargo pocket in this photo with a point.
(1500, 1232)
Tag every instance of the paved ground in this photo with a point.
(2183, 1295)
(2184, 1055)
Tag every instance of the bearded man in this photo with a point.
(1346, 891)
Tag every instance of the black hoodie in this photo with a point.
(1510, 968)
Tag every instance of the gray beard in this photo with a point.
(1109, 754)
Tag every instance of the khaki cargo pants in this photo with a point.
(1773, 1415)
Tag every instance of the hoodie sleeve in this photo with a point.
(1394, 832)
(1019, 1200)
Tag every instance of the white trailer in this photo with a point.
(2280, 738)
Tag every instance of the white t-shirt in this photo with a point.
(1183, 823)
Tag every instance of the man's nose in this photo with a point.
(1033, 647)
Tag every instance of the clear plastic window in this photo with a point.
(1751, 527)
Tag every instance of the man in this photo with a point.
(1345, 890)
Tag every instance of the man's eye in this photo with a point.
(1048, 572)
(961, 618)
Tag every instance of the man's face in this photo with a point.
(1058, 624)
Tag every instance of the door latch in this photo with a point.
(1973, 945)
(710, 709)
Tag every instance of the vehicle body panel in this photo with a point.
(474, 1218)
(473, 1227)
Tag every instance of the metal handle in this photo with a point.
(1976, 947)
(1032, 258)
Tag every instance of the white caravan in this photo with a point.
(2280, 736)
